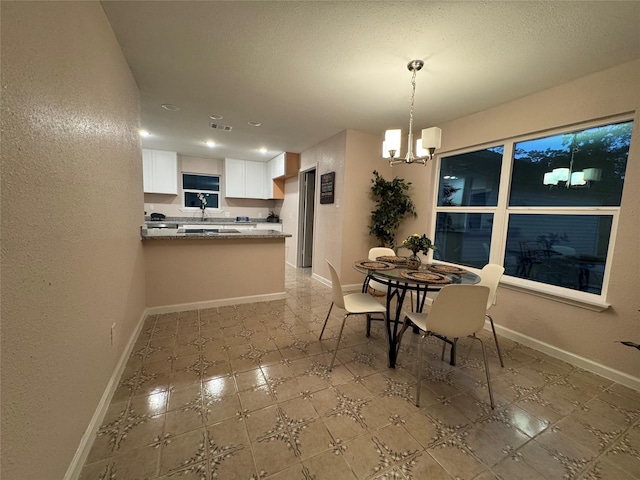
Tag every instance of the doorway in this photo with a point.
(307, 212)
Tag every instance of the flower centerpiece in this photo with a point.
(417, 243)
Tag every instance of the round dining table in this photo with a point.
(399, 280)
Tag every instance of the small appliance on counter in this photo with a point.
(273, 218)
(158, 217)
(242, 219)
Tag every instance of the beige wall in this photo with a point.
(71, 209)
(193, 271)
(289, 215)
(362, 158)
(328, 156)
(578, 331)
(341, 229)
(171, 205)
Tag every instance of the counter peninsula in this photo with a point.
(200, 268)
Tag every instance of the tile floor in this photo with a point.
(243, 392)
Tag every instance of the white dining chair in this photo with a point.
(457, 311)
(352, 304)
(376, 288)
(374, 253)
(490, 276)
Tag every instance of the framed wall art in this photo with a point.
(327, 182)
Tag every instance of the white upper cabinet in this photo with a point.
(256, 172)
(234, 175)
(286, 165)
(277, 166)
(160, 171)
(245, 178)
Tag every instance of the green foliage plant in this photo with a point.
(393, 205)
(418, 243)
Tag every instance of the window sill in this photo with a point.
(579, 299)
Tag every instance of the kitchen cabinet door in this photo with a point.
(234, 175)
(245, 178)
(160, 171)
(255, 174)
(285, 165)
(277, 166)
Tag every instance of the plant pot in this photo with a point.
(413, 262)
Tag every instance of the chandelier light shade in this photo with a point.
(424, 147)
(572, 178)
(592, 174)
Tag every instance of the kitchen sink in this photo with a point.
(161, 225)
(210, 231)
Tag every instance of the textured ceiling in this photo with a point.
(308, 70)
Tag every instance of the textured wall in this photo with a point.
(582, 332)
(190, 271)
(362, 158)
(328, 156)
(290, 218)
(71, 209)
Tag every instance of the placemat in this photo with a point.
(426, 277)
(394, 260)
(374, 265)
(446, 269)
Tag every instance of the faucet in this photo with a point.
(203, 204)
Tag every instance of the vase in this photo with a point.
(413, 262)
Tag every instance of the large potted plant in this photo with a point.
(393, 205)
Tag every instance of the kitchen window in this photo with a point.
(546, 208)
(197, 189)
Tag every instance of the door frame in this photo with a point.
(302, 213)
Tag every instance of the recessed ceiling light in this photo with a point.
(255, 124)
(171, 108)
(144, 133)
(215, 116)
(210, 143)
(263, 150)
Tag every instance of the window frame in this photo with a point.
(502, 212)
(183, 190)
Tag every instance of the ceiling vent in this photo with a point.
(217, 126)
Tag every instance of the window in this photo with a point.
(195, 187)
(546, 208)
(467, 200)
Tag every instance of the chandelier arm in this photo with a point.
(413, 67)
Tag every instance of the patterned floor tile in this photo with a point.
(245, 391)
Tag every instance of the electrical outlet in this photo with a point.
(113, 334)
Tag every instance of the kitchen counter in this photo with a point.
(181, 234)
(210, 221)
(186, 271)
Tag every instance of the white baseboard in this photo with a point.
(183, 307)
(555, 352)
(356, 287)
(322, 280)
(86, 442)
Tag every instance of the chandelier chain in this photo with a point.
(413, 96)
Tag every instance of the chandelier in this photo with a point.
(568, 176)
(425, 146)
